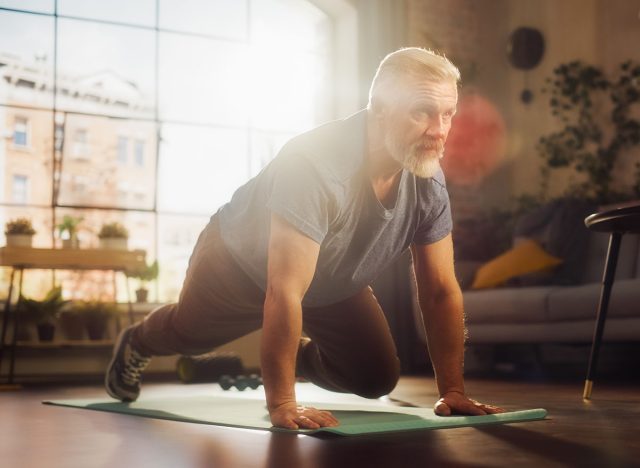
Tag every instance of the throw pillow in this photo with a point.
(526, 257)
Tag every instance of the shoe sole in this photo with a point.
(114, 356)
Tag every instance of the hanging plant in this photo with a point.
(592, 137)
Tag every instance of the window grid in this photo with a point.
(80, 140)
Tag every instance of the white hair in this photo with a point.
(412, 63)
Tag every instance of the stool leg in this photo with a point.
(5, 318)
(605, 293)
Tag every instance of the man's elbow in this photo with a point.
(442, 295)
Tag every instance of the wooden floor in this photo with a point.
(602, 433)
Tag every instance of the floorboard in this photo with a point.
(601, 433)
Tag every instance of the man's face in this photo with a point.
(416, 126)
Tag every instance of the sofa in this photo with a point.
(555, 313)
(559, 304)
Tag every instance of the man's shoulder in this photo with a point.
(437, 182)
(336, 147)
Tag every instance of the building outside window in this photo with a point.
(258, 72)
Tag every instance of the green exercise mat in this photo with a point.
(239, 411)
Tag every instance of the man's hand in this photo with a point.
(292, 416)
(458, 403)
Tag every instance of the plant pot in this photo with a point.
(46, 331)
(72, 243)
(142, 295)
(110, 243)
(96, 327)
(72, 325)
(19, 240)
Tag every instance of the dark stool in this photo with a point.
(616, 222)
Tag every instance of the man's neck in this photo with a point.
(383, 171)
(381, 166)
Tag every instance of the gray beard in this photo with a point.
(420, 165)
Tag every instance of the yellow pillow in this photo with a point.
(526, 257)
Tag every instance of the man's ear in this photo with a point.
(378, 110)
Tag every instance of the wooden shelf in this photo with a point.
(72, 259)
(65, 344)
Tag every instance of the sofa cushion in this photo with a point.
(581, 302)
(559, 227)
(507, 305)
(579, 331)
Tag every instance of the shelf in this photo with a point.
(65, 344)
(72, 259)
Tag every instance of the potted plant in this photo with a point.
(96, 315)
(19, 232)
(144, 275)
(44, 313)
(68, 231)
(72, 322)
(113, 236)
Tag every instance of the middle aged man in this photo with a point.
(297, 247)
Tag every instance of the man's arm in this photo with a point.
(440, 301)
(292, 261)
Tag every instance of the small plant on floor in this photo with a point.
(96, 315)
(44, 313)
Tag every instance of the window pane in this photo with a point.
(208, 84)
(200, 168)
(26, 59)
(94, 285)
(220, 18)
(105, 69)
(265, 147)
(142, 12)
(40, 6)
(291, 92)
(25, 168)
(177, 237)
(290, 25)
(140, 225)
(98, 167)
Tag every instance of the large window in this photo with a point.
(151, 112)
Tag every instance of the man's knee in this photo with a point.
(379, 381)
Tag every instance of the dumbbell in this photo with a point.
(208, 367)
(241, 382)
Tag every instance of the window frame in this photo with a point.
(27, 133)
(25, 189)
(148, 151)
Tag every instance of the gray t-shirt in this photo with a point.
(318, 183)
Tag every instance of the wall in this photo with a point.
(474, 33)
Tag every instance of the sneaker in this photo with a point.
(122, 380)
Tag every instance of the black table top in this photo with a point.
(621, 220)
